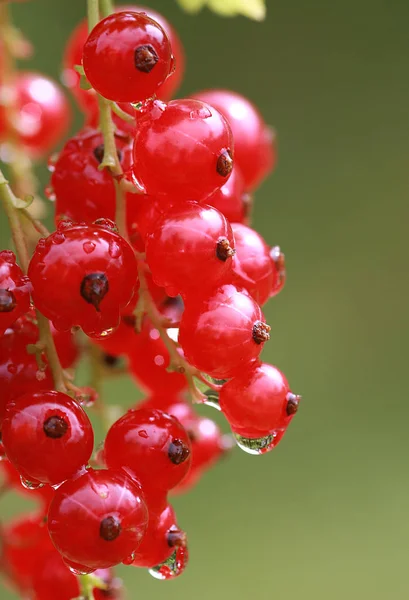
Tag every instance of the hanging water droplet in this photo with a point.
(79, 572)
(212, 399)
(88, 247)
(173, 566)
(31, 485)
(129, 560)
(58, 238)
(114, 249)
(256, 446)
(203, 112)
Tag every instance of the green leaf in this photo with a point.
(253, 9)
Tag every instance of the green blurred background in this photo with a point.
(325, 514)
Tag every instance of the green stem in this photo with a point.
(92, 13)
(8, 200)
(121, 113)
(107, 7)
(87, 585)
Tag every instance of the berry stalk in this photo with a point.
(107, 7)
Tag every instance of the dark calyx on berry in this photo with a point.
(94, 288)
(110, 361)
(110, 529)
(176, 538)
(55, 427)
(7, 301)
(100, 150)
(224, 250)
(178, 452)
(225, 163)
(146, 58)
(292, 404)
(261, 332)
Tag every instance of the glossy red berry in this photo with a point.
(231, 199)
(14, 290)
(258, 401)
(190, 239)
(141, 62)
(47, 436)
(160, 541)
(253, 267)
(83, 275)
(254, 142)
(222, 332)
(82, 191)
(151, 445)
(98, 519)
(183, 149)
(42, 116)
(53, 579)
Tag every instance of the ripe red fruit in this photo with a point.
(183, 149)
(52, 579)
(14, 290)
(47, 436)
(141, 62)
(98, 519)
(231, 199)
(82, 191)
(258, 401)
(253, 266)
(254, 142)
(42, 113)
(222, 332)
(151, 445)
(83, 275)
(161, 538)
(191, 239)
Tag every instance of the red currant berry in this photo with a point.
(83, 275)
(190, 239)
(53, 579)
(14, 290)
(223, 332)
(160, 540)
(230, 199)
(142, 60)
(253, 267)
(151, 445)
(258, 401)
(47, 436)
(66, 347)
(183, 149)
(19, 372)
(98, 519)
(255, 152)
(82, 191)
(43, 113)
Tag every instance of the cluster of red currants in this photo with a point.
(173, 292)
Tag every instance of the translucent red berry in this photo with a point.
(142, 60)
(231, 199)
(222, 332)
(14, 290)
(190, 239)
(258, 401)
(83, 275)
(254, 142)
(151, 445)
(47, 436)
(183, 149)
(43, 113)
(253, 267)
(98, 519)
(53, 579)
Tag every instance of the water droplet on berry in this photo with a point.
(49, 192)
(31, 485)
(58, 238)
(256, 446)
(88, 247)
(143, 434)
(114, 249)
(80, 571)
(212, 399)
(103, 334)
(201, 113)
(129, 560)
(173, 566)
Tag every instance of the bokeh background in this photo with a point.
(326, 514)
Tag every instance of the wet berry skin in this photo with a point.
(223, 331)
(14, 290)
(47, 436)
(230, 199)
(183, 149)
(157, 546)
(254, 147)
(257, 402)
(43, 113)
(127, 56)
(151, 445)
(83, 275)
(190, 239)
(98, 519)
